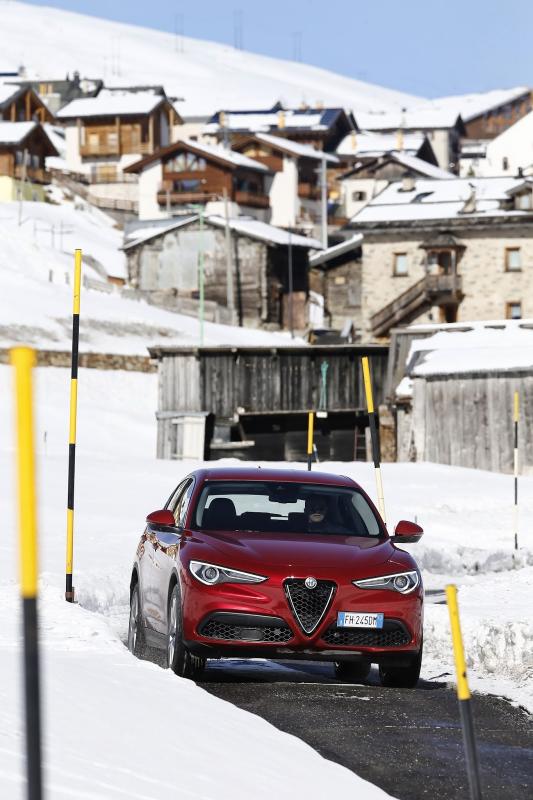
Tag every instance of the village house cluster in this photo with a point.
(339, 223)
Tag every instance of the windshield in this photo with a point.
(267, 507)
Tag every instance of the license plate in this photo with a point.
(359, 619)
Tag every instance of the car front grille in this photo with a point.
(215, 629)
(393, 634)
(308, 605)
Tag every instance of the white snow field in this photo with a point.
(116, 727)
(36, 258)
(208, 76)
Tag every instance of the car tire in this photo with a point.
(402, 677)
(352, 671)
(136, 641)
(179, 659)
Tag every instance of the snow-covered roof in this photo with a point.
(337, 250)
(497, 345)
(470, 106)
(274, 119)
(15, 132)
(439, 199)
(369, 143)
(422, 117)
(108, 104)
(245, 225)
(295, 148)
(421, 166)
(7, 91)
(208, 150)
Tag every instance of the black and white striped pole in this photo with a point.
(516, 414)
(373, 422)
(463, 695)
(69, 590)
(23, 361)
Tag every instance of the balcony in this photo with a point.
(106, 149)
(251, 199)
(32, 174)
(165, 196)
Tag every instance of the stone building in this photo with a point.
(446, 251)
(256, 273)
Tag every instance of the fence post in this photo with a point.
(310, 427)
(69, 590)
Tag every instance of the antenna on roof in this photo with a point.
(238, 29)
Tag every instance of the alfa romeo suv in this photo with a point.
(279, 564)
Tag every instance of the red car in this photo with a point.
(282, 564)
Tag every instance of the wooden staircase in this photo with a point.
(431, 290)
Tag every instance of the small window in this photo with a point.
(94, 140)
(19, 156)
(112, 139)
(505, 163)
(513, 310)
(400, 264)
(358, 197)
(513, 259)
(35, 162)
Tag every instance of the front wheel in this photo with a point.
(136, 644)
(402, 677)
(179, 659)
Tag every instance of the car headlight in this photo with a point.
(403, 582)
(211, 574)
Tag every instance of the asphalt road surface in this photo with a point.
(406, 741)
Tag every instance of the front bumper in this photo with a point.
(256, 621)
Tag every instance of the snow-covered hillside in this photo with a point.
(208, 76)
(36, 259)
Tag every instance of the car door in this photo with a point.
(166, 550)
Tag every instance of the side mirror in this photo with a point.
(407, 532)
(161, 519)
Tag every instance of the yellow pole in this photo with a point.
(463, 695)
(23, 360)
(373, 423)
(69, 590)
(310, 428)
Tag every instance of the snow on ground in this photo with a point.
(206, 75)
(127, 720)
(42, 247)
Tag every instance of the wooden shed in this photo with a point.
(255, 400)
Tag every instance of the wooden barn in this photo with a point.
(253, 402)
(455, 406)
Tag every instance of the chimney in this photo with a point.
(399, 133)
(408, 183)
(354, 141)
(470, 204)
(281, 119)
(319, 105)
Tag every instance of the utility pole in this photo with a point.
(201, 276)
(324, 201)
(291, 287)
(229, 263)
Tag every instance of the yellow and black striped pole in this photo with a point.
(69, 590)
(516, 415)
(23, 361)
(463, 695)
(373, 422)
(310, 428)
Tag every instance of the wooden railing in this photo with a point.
(105, 149)
(251, 199)
(33, 174)
(308, 191)
(429, 290)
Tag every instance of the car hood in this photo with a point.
(252, 551)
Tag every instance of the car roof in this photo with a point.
(262, 474)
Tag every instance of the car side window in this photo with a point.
(180, 509)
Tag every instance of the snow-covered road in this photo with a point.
(118, 728)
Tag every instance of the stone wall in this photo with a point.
(61, 358)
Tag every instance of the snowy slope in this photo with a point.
(38, 311)
(208, 76)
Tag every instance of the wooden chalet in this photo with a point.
(24, 147)
(193, 173)
(22, 104)
(323, 128)
(115, 125)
